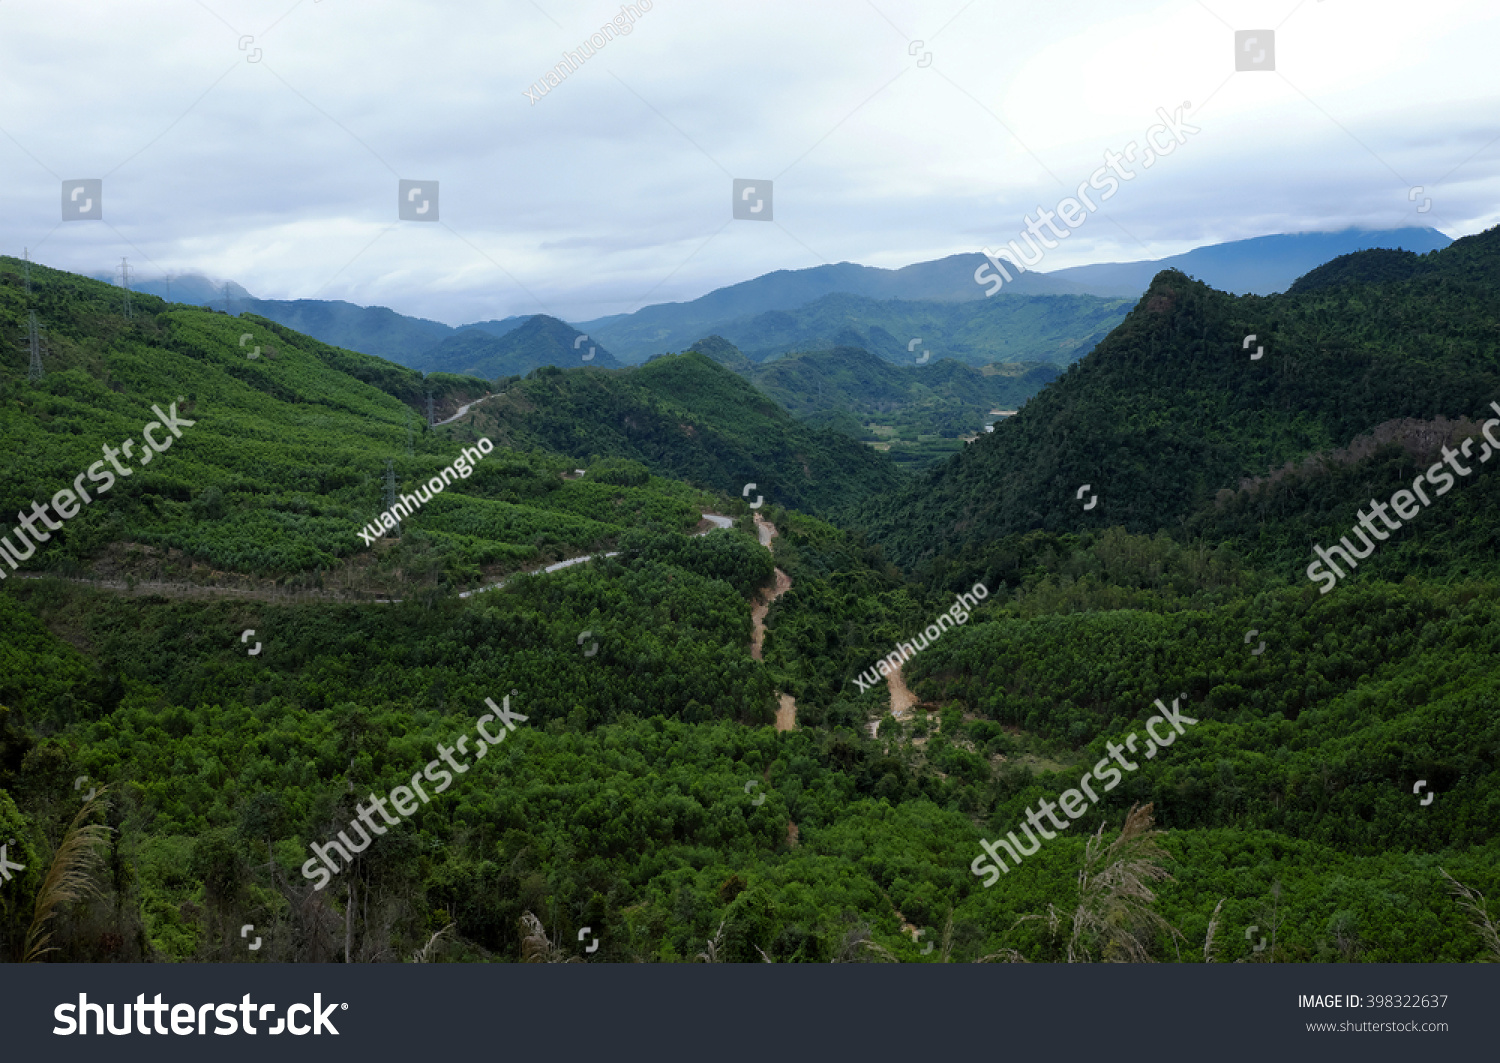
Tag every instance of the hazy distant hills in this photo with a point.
(373, 330)
(845, 304)
(539, 341)
(1261, 265)
(856, 381)
(1007, 328)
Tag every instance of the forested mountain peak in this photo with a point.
(723, 352)
(1197, 389)
(539, 340)
(690, 418)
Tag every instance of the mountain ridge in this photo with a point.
(1260, 264)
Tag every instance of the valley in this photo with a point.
(695, 758)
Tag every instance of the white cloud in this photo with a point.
(610, 190)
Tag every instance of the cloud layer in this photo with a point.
(264, 142)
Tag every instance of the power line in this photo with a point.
(34, 341)
(390, 494)
(125, 283)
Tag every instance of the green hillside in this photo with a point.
(538, 341)
(640, 789)
(1007, 328)
(915, 414)
(1172, 408)
(286, 458)
(685, 416)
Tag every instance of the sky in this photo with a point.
(264, 141)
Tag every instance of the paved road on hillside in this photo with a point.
(466, 408)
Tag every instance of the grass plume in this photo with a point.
(70, 878)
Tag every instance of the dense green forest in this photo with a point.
(687, 417)
(1009, 328)
(1172, 408)
(539, 341)
(648, 793)
(943, 401)
(915, 414)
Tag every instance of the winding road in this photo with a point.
(465, 409)
(717, 520)
(786, 713)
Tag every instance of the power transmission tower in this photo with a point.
(390, 493)
(227, 308)
(26, 254)
(125, 283)
(34, 341)
(430, 421)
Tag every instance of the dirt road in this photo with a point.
(903, 701)
(759, 609)
(765, 529)
(786, 715)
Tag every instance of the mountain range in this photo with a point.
(1170, 412)
(1260, 265)
(537, 341)
(1127, 538)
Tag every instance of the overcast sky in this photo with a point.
(894, 131)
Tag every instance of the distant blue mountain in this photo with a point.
(539, 341)
(369, 329)
(1261, 265)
